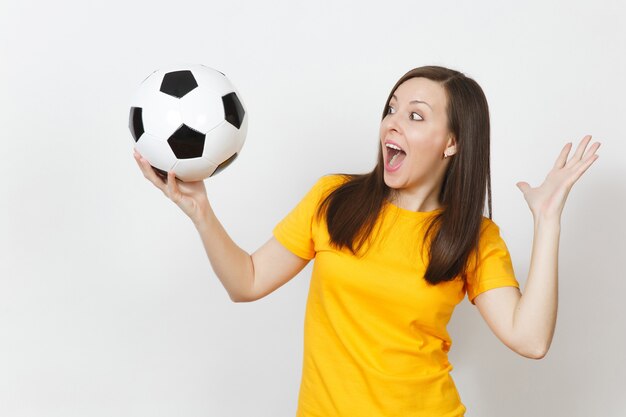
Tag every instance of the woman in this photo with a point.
(396, 250)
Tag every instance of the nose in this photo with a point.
(390, 122)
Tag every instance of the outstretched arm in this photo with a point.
(245, 277)
(525, 322)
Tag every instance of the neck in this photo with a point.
(414, 202)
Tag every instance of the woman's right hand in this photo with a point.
(191, 197)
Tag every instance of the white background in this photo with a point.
(108, 305)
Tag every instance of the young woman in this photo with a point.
(396, 250)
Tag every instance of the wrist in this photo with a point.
(547, 222)
(203, 217)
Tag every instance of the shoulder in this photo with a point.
(490, 236)
(322, 187)
(333, 180)
(488, 226)
(328, 183)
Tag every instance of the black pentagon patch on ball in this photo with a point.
(178, 83)
(233, 110)
(187, 143)
(224, 164)
(135, 123)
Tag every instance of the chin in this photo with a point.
(393, 183)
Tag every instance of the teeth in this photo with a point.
(392, 146)
(393, 159)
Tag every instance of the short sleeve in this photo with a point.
(296, 232)
(495, 268)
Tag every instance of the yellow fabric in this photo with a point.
(375, 339)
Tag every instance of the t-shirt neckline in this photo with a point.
(410, 213)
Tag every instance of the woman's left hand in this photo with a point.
(548, 200)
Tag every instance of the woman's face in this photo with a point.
(414, 135)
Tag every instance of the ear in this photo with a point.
(451, 146)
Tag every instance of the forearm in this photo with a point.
(534, 318)
(232, 265)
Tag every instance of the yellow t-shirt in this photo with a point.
(375, 339)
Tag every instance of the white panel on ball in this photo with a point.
(221, 143)
(149, 86)
(195, 169)
(243, 130)
(157, 151)
(201, 110)
(215, 80)
(161, 115)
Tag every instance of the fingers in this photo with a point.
(167, 184)
(591, 151)
(581, 164)
(581, 148)
(581, 170)
(523, 186)
(148, 172)
(562, 158)
(578, 155)
(172, 187)
(590, 158)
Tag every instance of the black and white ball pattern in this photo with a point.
(189, 119)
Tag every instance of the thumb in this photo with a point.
(523, 186)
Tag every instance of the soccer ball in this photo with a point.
(190, 119)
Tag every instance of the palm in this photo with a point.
(189, 196)
(549, 198)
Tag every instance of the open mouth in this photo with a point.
(395, 155)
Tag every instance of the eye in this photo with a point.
(390, 110)
(412, 118)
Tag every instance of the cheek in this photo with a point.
(383, 128)
(422, 142)
(425, 149)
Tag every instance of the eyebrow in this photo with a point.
(413, 101)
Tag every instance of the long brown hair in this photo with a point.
(352, 209)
